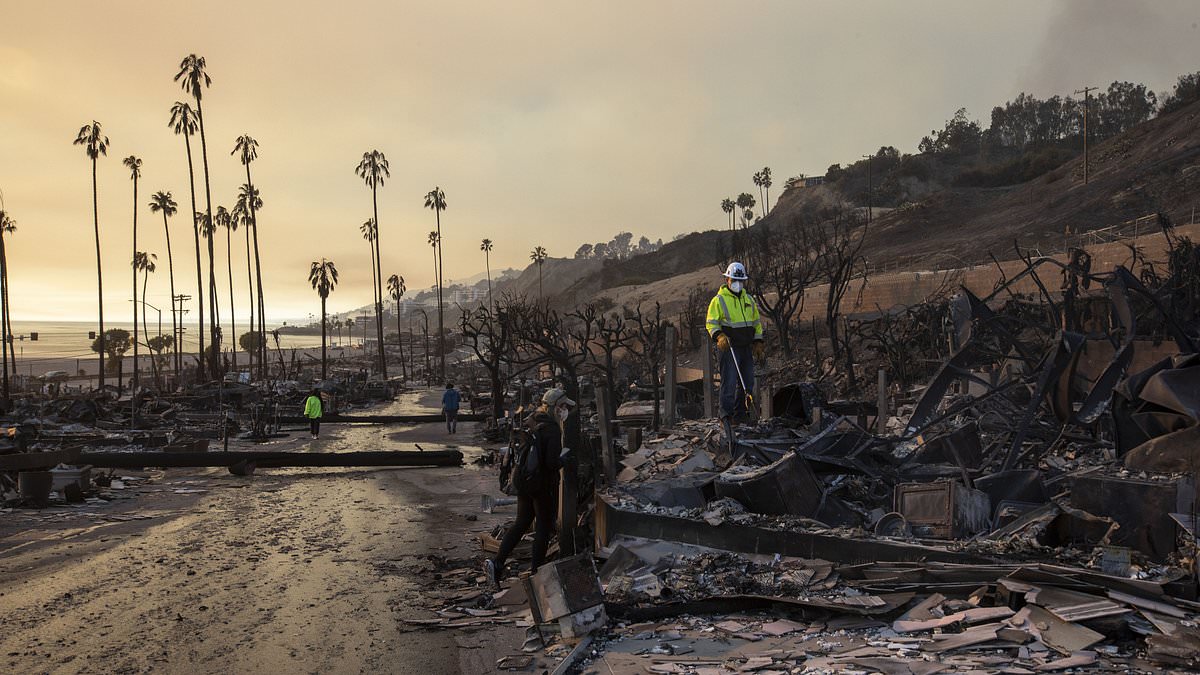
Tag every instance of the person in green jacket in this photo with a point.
(735, 325)
(313, 410)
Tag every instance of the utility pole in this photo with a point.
(869, 159)
(1086, 91)
(179, 299)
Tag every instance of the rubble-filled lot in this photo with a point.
(1030, 508)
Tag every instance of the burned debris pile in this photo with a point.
(1032, 504)
(46, 437)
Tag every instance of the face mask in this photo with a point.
(735, 286)
(563, 413)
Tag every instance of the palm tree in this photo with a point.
(183, 121)
(324, 277)
(396, 289)
(765, 181)
(746, 202)
(195, 80)
(370, 232)
(436, 199)
(145, 263)
(486, 247)
(95, 143)
(135, 172)
(162, 201)
(728, 205)
(248, 196)
(538, 256)
(6, 315)
(208, 230)
(225, 220)
(373, 169)
(249, 203)
(7, 226)
(757, 178)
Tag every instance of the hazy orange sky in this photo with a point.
(544, 123)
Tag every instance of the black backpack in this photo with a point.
(521, 471)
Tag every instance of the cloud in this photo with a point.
(546, 124)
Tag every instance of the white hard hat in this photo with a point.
(736, 270)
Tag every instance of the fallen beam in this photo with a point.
(379, 419)
(612, 521)
(132, 460)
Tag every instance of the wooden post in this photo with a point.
(709, 411)
(606, 441)
(882, 414)
(669, 386)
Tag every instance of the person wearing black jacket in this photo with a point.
(538, 499)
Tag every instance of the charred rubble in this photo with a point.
(54, 447)
(1031, 506)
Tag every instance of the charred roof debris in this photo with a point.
(1023, 502)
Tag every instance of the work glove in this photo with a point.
(760, 348)
(722, 342)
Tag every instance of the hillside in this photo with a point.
(1154, 167)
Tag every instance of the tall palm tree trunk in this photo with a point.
(146, 329)
(174, 321)
(324, 369)
(441, 324)
(399, 341)
(214, 330)
(378, 285)
(487, 263)
(250, 284)
(232, 317)
(262, 308)
(4, 332)
(136, 371)
(374, 276)
(12, 348)
(199, 267)
(99, 270)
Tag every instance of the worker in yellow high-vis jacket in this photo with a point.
(735, 325)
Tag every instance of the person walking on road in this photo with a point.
(313, 410)
(734, 323)
(536, 476)
(451, 400)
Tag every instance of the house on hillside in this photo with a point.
(803, 181)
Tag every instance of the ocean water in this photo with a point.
(60, 343)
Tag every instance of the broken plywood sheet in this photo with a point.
(782, 627)
(972, 636)
(1062, 636)
(1071, 605)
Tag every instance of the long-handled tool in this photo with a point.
(742, 380)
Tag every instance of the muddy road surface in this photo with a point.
(287, 571)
